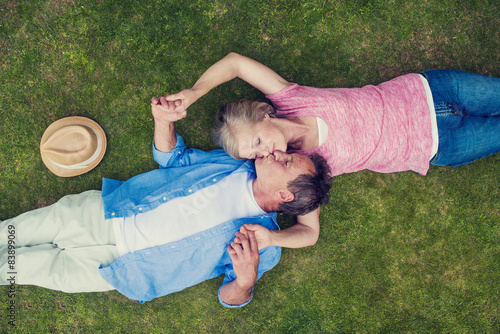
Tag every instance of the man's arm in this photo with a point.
(164, 116)
(304, 233)
(245, 256)
(231, 66)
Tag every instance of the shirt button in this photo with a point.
(164, 198)
(112, 213)
(190, 190)
(140, 209)
(214, 180)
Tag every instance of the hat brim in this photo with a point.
(72, 120)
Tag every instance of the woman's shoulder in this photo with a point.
(285, 91)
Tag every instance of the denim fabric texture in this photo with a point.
(468, 115)
(182, 171)
(158, 271)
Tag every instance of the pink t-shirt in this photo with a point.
(384, 128)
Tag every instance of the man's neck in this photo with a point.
(263, 198)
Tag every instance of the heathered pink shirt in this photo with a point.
(384, 128)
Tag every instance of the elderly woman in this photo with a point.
(440, 117)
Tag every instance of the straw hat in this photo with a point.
(72, 146)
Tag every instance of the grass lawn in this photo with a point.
(398, 253)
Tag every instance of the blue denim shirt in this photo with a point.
(158, 271)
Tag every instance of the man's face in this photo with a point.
(276, 170)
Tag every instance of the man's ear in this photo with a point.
(285, 195)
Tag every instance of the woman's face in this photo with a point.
(260, 139)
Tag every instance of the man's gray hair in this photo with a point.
(310, 190)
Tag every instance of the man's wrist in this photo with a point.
(245, 286)
(163, 122)
(164, 126)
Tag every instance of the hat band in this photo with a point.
(85, 163)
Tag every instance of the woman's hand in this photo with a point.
(262, 234)
(182, 100)
(304, 233)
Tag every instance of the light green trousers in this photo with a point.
(60, 246)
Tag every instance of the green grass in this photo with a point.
(398, 253)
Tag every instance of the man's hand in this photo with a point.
(244, 253)
(262, 234)
(164, 110)
(165, 116)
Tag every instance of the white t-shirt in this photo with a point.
(229, 199)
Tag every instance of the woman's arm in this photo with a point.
(304, 233)
(231, 66)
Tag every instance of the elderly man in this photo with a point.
(170, 228)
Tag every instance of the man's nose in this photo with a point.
(279, 155)
(261, 157)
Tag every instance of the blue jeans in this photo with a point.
(468, 115)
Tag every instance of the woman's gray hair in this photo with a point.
(233, 115)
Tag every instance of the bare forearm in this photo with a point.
(244, 254)
(304, 233)
(222, 71)
(296, 236)
(237, 66)
(231, 293)
(164, 136)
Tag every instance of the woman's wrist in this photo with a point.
(274, 236)
(198, 90)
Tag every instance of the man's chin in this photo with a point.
(258, 165)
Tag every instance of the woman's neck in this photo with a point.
(301, 133)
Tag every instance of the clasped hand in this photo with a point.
(166, 109)
(244, 253)
(172, 107)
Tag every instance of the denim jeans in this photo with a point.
(468, 115)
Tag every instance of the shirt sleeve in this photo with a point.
(268, 258)
(230, 305)
(168, 159)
